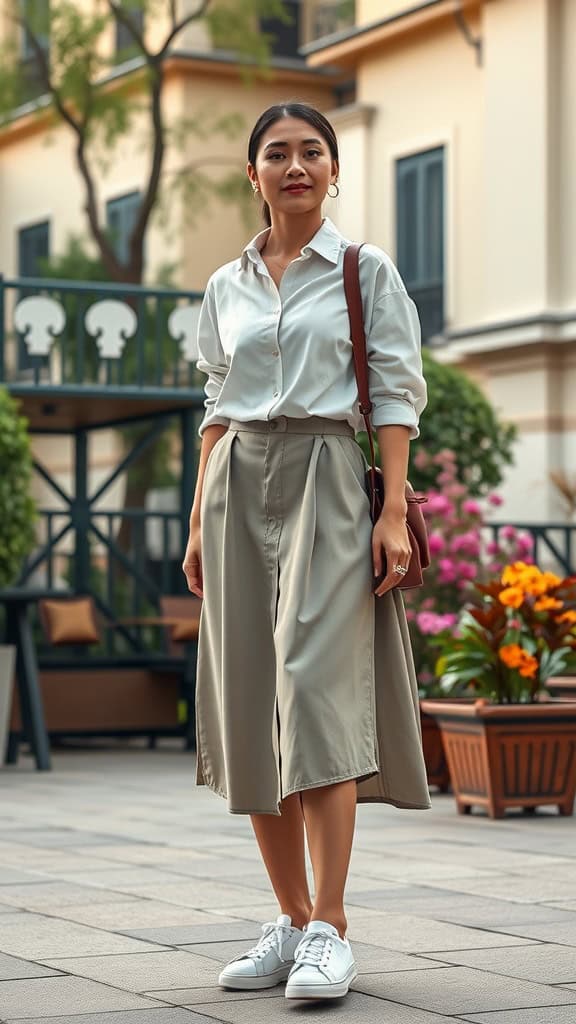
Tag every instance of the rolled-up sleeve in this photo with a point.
(211, 360)
(396, 382)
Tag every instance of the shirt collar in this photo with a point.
(327, 242)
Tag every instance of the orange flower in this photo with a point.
(512, 597)
(515, 656)
(529, 667)
(569, 616)
(511, 655)
(547, 604)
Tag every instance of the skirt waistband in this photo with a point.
(291, 425)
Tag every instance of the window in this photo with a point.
(36, 14)
(125, 44)
(121, 217)
(33, 247)
(329, 16)
(286, 35)
(420, 234)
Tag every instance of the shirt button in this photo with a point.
(275, 395)
(276, 354)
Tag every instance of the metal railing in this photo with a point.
(71, 336)
(554, 543)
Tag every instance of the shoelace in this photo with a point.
(314, 949)
(272, 938)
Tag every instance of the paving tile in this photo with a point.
(12, 969)
(127, 913)
(356, 1008)
(409, 934)
(562, 932)
(35, 937)
(197, 893)
(461, 854)
(559, 884)
(535, 1015)
(21, 1000)
(369, 958)
(545, 963)
(460, 990)
(10, 876)
(163, 1015)
(181, 935)
(208, 995)
(149, 854)
(143, 972)
(47, 894)
(59, 837)
(122, 878)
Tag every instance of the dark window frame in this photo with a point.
(127, 204)
(420, 233)
(27, 241)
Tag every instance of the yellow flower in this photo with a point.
(513, 573)
(512, 597)
(547, 604)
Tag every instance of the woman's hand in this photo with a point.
(390, 547)
(192, 564)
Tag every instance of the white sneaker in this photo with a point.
(324, 967)
(268, 962)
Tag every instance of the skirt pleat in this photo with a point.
(304, 678)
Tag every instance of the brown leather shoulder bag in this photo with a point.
(415, 522)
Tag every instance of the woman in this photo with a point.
(306, 695)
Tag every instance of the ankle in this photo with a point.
(337, 919)
(300, 916)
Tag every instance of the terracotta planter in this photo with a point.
(434, 756)
(509, 755)
(562, 686)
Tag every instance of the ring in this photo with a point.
(401, 569)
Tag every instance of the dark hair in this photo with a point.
(303, 112)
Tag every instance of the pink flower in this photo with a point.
(468, 570)
(471, 507)
(421, 459)
(438, 505)
(436, 543)
(456, 490)
(447, 571)
(525, 542)
(431, 624)
(410, 614)
(515, 624)
(509, 532)
(468, 542)
(495, 567)
(495, 499)
(445, 477)
(427, 604)
(493, 548)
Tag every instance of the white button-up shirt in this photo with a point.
(271, 352)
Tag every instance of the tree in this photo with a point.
(99, 105)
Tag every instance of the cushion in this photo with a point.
(70, 621)
(185, 629)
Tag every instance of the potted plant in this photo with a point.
(461, 552)
(511, 746)
(17, 528)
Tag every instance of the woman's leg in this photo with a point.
(330, 815)
(281, 842)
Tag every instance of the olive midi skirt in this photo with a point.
(304, 678)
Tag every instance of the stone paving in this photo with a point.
(123, 887)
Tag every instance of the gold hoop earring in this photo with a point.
(337, 192)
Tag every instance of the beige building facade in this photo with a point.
(458, 156)
(481, 94)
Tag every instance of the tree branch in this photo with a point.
(121, 16)
(177, 27)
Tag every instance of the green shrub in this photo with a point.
(460, 418)
(17, 508)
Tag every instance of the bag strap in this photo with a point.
(357, 333)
